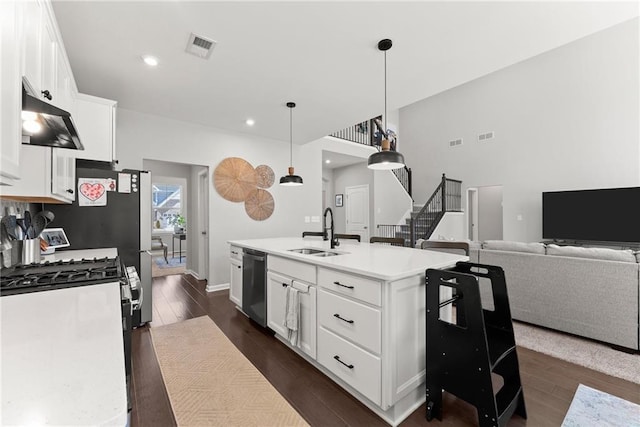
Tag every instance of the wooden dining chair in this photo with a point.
(393, 241)
(312, 234)
(448, 246)
(347, 236)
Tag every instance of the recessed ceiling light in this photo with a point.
(151, 61)
(250, 122)
(327, 161)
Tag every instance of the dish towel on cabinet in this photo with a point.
(292, 314)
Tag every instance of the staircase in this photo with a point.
(424, 219)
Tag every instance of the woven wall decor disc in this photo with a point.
(259, 205)
(266, 177)
(234, 179)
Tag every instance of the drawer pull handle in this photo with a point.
(284, 285)
(338, 359)
(235, 253)
(344, 286)
(342, 318)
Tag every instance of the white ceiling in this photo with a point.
(321, 55)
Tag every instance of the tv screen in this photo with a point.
(606, 215)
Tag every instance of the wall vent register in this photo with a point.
(200, 46)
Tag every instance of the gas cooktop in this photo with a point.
(60, 274)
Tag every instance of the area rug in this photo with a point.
(591, 407)
(210, 382)
(591, 354)
(172, 262)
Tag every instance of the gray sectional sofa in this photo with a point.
(590, 292)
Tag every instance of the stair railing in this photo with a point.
(364, 133)
(447, 197)
(404, 176)
(361, 133)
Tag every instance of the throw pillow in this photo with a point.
(504, 245)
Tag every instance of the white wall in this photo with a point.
(391, 202)
(451, 227)
(566, 119)
(350, 176)
(141, 136)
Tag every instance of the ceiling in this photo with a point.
(321, 55)
(333, 160)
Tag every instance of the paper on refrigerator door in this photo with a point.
(124, 182)
(92, 192)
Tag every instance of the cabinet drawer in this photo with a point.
(350, 319)
(297, 270)
(356, 367)
(356, 287)
(235, 253)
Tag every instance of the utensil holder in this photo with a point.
(26, 251)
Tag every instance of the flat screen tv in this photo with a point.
(605, 215)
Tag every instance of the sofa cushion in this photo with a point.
(593, 253)
(504, 245)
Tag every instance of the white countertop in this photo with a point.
(81, 253)
(62, 357)
(374, 260)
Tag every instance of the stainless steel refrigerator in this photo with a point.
(122, 220)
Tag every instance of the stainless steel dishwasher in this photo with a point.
(254, 285)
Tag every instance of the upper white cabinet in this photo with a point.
(47, 176)
(95, 119)
(45, 66)
(10, 91)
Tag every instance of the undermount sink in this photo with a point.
(326, 254)
(314, 252)
(307, 251)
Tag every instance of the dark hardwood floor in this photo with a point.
(549, 383)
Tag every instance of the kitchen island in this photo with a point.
(361, 313)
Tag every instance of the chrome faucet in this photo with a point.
(334, 241)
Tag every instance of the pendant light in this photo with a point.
(386, 158)
(291, 179)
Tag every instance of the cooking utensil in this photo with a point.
(27, 225)
(10, 224)
(39, 223)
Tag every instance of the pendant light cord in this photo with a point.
(385, 91)
(290, 136)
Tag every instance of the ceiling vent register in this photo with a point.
(200, 46)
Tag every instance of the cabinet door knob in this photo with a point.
(284, 285)
(47, 95)
(70, 191)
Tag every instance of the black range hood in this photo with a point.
(57, 127)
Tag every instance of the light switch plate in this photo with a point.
(315, 219)
(307, 219)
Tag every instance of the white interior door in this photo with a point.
(203, 224)
(357, 211)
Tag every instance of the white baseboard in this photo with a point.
(193, 273)
(213, 288)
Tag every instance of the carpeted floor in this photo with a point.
(210, 382)
(159, 266)
(591, 407)
(594, 355)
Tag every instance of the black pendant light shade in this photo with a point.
(291, 179)
(387, 158)
(384, 160)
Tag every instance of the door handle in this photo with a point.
(365, 227)
(204, 232)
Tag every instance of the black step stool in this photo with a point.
(462, 355)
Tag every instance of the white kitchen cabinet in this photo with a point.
(277, 289)
(235, 284)
(47, 176)
(95, 119)
(63, 174)
(45, 66)
(10, 92)
(235, 275)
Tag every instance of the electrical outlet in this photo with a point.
(315, 219)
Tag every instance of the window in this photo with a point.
(166, 205)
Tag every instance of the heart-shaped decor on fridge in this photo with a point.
(92, 191)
